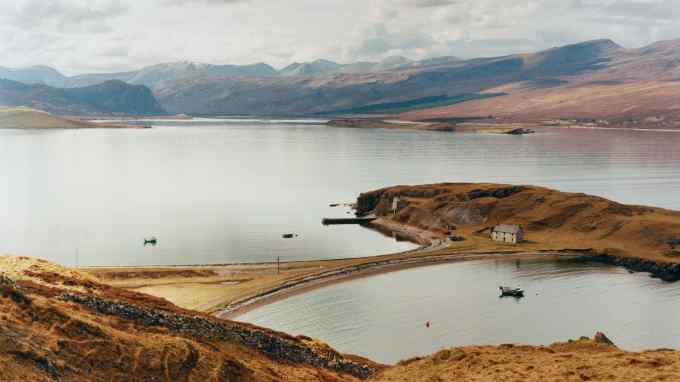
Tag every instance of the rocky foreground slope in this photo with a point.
(61, 325)
(58, 324)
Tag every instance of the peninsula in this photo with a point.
(450, 222)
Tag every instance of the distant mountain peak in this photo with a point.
(37, 74)
(396, 59)
(324, 61)
(599, 46)
(314, 68)
(665, 46)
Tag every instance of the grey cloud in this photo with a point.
(79, 35)
(212, 2)
(378, 41)
(428, 3)
(649, 11)
(30, 13)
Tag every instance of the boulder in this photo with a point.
(601, 338)
(520, 131)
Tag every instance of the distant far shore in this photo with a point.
(370, 123)
(479, 125)
(30, 119)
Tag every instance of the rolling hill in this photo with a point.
(111, 97)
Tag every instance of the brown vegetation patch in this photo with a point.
(156, 273)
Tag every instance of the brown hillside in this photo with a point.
(59, 325)
(553, 220)
(644, 104)
(627, 88)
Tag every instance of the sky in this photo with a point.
(82, 36)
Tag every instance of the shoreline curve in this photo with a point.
(357, 271)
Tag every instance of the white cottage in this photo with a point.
(508, 233)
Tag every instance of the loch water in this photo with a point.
(221, 191)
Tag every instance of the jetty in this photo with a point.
(356, 220)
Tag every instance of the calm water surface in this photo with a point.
(224, 191)
(383, 317)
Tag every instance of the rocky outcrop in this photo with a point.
(520, 131)
(602, 338)
(674, 243)
(380, 201)
(498, 193)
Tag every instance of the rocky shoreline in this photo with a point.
(664, 271)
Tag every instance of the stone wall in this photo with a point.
(278, 347)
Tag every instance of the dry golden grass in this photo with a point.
(581, 360)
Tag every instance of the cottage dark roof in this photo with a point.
(508, 228)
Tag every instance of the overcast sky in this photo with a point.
(78, 36)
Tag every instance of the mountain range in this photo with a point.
(595, 79)
(155, 76)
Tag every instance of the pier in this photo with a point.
(357, 220)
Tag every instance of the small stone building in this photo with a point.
(508, 233)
